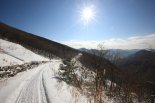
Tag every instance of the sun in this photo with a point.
(87, 14)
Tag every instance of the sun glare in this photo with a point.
(87, 14)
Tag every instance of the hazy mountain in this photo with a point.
(123, 52)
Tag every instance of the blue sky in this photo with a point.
(59, 20)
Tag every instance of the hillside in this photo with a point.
(51, 49)
(35, 43)
(142, 63)
(48, 48)
(41, 81)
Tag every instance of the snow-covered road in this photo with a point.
(36, 86)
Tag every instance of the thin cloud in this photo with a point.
(135, 42)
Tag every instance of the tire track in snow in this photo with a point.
(37, 86)
(45, 91)
(34, 90)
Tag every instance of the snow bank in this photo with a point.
(60, 92)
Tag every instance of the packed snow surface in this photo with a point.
(37, 85)
(11, 54)
(6, 60)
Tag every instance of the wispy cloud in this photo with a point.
(135, 42)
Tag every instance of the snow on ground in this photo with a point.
(37, 86)
(6, 60)
(18, 52)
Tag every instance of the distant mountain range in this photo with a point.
(124, 52)
(140, 63)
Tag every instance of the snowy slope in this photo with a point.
(11, 53)
(37, 85)
(6, 60)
